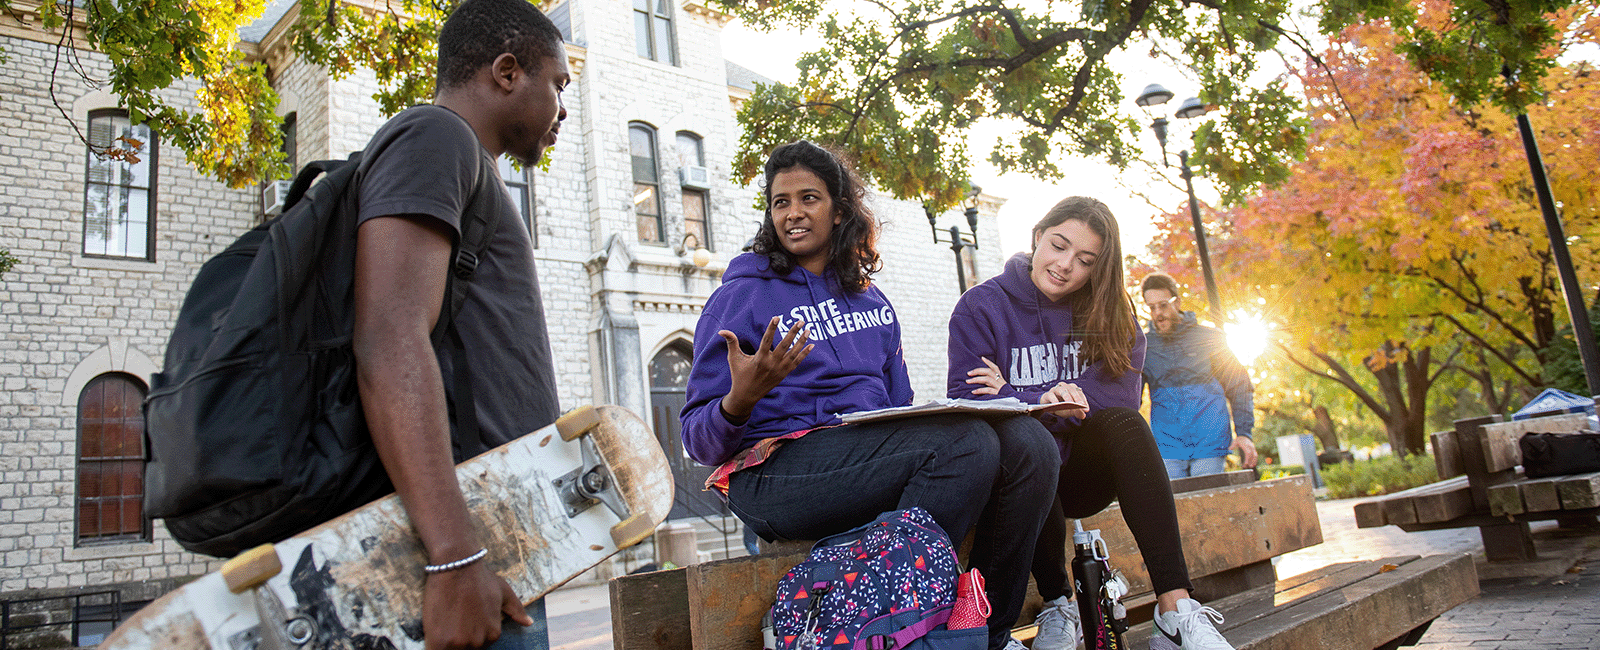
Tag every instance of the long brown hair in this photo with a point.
(1102, 311)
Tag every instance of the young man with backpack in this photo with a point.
(501, 70)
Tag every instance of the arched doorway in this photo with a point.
(669, 381)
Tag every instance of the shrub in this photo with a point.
(1381, 475)
(1279, 471)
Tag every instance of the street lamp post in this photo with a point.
(1577, 309)
(956, 240)
(1156, 95)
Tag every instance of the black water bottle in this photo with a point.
(1098, 591)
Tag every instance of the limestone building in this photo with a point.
(107, 251)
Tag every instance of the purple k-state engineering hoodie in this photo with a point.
(857, 364)
(1007, 320)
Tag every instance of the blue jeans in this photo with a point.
(517, 637)
(1186, 467)
(996, 476)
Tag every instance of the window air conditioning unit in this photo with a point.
(273, 195)
(694, 177)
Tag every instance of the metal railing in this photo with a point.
(726, 525)
(9, 611)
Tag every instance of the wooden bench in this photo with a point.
(1482, 486)
(1233, 528)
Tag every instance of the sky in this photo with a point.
(1027, 198)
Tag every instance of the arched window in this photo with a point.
(695, 179)
(111, 460)
(119, 217)
(646, 182)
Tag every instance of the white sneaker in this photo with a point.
(1013, 644)
(1059, 626)
(1192, 627)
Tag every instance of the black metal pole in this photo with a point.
(961, 271)
(1200, 240)
(1577, 309)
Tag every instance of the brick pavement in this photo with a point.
(1541, 613)
(1545, 612)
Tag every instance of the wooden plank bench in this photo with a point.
(1482, 486)
(1232, 532)
(1365, 604)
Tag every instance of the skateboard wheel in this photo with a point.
(573, 424)
(249, 569)
(631, 531)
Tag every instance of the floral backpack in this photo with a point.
(888, 584)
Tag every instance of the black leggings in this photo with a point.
(1118, 440)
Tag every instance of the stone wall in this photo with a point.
(66, 318)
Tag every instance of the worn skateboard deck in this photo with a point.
(545, 514)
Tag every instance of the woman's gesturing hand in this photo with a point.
(988, 377)
(754, 375)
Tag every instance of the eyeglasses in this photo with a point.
(1147, 308)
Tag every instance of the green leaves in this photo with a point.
(399, 45)
(943, 65)
(1483, 51)
(899, 83)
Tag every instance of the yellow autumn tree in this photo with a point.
(1409, 241)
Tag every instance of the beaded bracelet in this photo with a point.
(451, 566)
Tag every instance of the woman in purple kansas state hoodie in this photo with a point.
(1057, 325)
(797, 334)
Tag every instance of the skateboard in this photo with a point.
(549, 506)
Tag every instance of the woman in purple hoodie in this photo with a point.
(1057, 325)
(798, 334)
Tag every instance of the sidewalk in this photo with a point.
(1551, 609)
(1547, 608)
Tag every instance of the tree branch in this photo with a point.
(1344, 378)
(1498, 354)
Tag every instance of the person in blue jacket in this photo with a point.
(1057, 325)
(1194, 382)
(798, 334)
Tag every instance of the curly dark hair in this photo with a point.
(477, 31)
(853, 252)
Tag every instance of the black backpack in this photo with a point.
(253, 428)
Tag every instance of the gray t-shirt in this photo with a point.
(424, 161)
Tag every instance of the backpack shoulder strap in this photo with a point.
(477, 228)
(478, 224)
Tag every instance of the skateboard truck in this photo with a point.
(589, 484)
(249, 571)
(592, 481)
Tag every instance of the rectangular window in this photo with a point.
(694, 217)
(119, 207)
(652, 27)
(519, 185)
(692, 160)
(291, 144)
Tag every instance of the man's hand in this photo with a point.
(1247, 451)
(755, 375)
(1065, 392)
(462, 609)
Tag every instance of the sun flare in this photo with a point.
(1247, 336)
